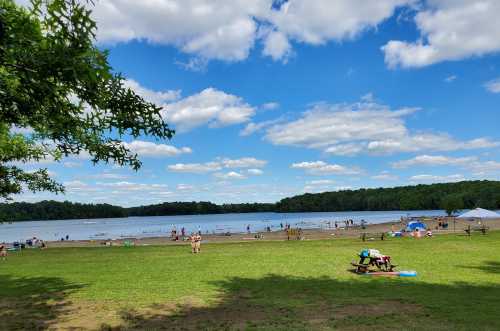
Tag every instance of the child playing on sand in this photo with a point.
(3, 251)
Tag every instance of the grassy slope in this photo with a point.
(262, 285)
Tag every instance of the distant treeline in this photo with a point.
(55, 210)
(447, 196)
(453, 196)
(194, 208)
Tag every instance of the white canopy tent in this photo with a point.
(479, 213)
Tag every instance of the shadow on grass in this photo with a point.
(489, 266)
(294, 303)
(32, 303)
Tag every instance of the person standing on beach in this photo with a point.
(192, 238)
(197, 243)
(248, 228)
(3, 251)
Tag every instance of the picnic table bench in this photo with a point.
(362, 268)
(481, 228)
(372, 236)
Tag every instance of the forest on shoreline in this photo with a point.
(447, 196)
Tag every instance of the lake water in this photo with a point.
(138, 227)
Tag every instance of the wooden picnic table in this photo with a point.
(480, 228)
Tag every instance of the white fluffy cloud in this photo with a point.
(493, 85)
(277, 46)
(318, 21)
(184, 187)
(228, 29)
(196, 168)
(472, 163)
(149, 149)
(450, 79)
(427, 142)
(219, 164)
(229, 175)
(252, 127)
(385, 175)
(321, 185)
(450, 30)
(210, 107)
(245, 162)
(364, 127)
(323, 168)
(436, 178)
(327, 125)
(156, 97)
(108, 175)
(485, 167)
(211, 29)
(130, 186)
(255, 172)
(270, 106)
(434, 160)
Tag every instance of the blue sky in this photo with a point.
(303, 96)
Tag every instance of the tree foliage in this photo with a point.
(462, 195)
(193, 208)
(452, 203)
(56, 84)
(52, 210)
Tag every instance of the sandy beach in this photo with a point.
(371, 230)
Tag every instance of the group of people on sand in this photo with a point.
(36, 242)
(194, 238)
(30, 243)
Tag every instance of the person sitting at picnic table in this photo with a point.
(375, 258)
(3, 251)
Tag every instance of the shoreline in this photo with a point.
(457, 226)
(235, 213)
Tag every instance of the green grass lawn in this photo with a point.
(297, 285)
